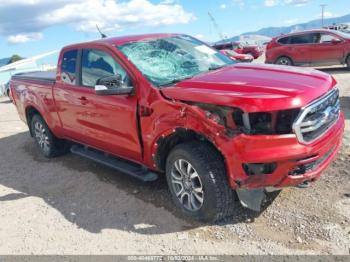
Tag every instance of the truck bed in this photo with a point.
(47, 76)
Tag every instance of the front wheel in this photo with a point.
(284, 61)
(197, 180)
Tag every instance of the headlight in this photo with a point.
(285, 120)
(257, 123)
(261, 123)
(266, 123)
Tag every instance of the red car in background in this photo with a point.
(245, 58)
(310, 48)
(253, 50)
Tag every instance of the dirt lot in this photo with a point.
(70, 205)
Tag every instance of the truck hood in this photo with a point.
(254, 87)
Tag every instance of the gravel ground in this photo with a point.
(70, 205)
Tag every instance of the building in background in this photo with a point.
(42, 62)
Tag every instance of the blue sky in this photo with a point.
(31, 27)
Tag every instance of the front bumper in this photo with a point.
(284, 150)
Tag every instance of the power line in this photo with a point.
(216, 26)
(323, 6)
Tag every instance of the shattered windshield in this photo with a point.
(169, 60)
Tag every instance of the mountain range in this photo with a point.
(269, 32)
(4, 61)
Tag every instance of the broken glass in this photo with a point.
(167, 60)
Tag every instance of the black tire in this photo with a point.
(8, 94)
(348, 62)
(49, 145)
(283, 60)
(218, 198)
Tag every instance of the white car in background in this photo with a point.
(42, 62)
(5, 89)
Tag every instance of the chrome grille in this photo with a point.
(315, 119)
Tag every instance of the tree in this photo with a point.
(14, 58)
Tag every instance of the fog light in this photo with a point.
(259, 168)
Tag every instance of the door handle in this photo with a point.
(83, 100)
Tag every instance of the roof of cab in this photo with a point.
(121, 40)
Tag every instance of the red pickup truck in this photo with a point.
(169, 104)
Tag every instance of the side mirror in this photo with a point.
(112, 85)
(336, 41)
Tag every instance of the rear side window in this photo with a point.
(68, 67)
(284, 40)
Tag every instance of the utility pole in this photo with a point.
(322, 15)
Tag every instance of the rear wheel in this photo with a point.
(49, 145)
(284, 61)
(197, 180)
(8, 94)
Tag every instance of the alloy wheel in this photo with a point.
(41, 136)
(187, 185)
(284, 61)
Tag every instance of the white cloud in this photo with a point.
(167, 2)
(328, 14)
(239, 3)
(270, 3)
(24, 38)
(291, 21)
(20, 17)
(223, 6)
(199, 36)
(297, 2)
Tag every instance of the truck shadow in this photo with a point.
(92, 196)
(335, 70)
(5, 101)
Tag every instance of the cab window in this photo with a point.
(68, 67)
(97, 64)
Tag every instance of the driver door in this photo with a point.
(108, 122)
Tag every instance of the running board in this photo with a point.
(120, 165)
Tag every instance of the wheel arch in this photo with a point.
(347, 57)
(30, 111)
(180, 135)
